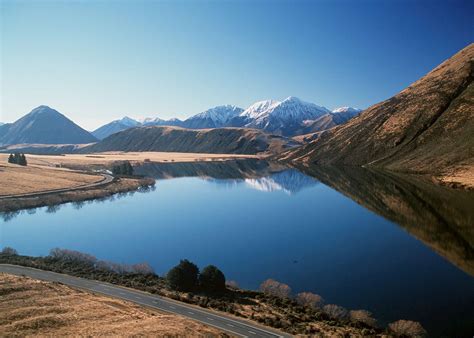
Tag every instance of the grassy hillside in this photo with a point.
(426, 128)
(175, 139)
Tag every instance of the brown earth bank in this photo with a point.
(30, 307)
(427, 128)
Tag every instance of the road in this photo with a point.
(233, 326)
(106, 180)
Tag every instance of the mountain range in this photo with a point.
(426, 128)
(289, 117)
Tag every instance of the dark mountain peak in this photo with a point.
(44, 125)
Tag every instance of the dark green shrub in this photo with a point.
(183, 277)
(212, 279)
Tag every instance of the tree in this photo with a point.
(310, 299)
(124, 168)
(335, 311)
(407, 328)
(275, 288)
(184, 276)
(362, 316)
(22, 160)
(8, 251)
(17, 158)
(212, 279)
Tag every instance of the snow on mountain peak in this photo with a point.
(220, 114)
(347, 110)
(292, 108)
(129, 122)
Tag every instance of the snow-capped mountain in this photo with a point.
(348, 111)
(156, 121)
(216, 117)
(114, 127)
(283, 118)
(289, 117)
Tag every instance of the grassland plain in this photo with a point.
(33, 307)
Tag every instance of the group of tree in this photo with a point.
(186, 277)
(17, 158)
(124, 168)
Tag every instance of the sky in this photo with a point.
(96, 61)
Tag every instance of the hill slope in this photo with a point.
(426, 128)
(114, 127)
(46, 126)
(175, 139)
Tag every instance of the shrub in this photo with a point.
(275, 288)
(362, 316)
(17, 158)
(9, 251)
(72, 255)
(212, 279)
(407, 328)
(124, 168)
(335, 311)
(142, 268)
(310, 299)
(183, 277)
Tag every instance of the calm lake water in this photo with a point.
(361, 239)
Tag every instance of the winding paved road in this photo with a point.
(234, 326)
(107, 179)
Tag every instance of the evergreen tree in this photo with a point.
(11, 159)
(212, 279)
(22, 160)
(184, 276)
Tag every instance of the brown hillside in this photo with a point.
(175, 139)
(426, 128)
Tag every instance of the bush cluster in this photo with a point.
(186, 277)
(17, 158)
(124, 168)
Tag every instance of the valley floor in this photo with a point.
(32, 307)
(16, 179)
(98, 160)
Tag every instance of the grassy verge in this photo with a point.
(283, 313)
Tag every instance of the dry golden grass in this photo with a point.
(32, 307)
(15, 179)
(100, 159)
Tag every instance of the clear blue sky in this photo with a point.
(99, 60)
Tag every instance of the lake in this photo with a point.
(400, 248)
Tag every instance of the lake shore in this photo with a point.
(256, 307)
(55, 179)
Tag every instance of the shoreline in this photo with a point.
(78, 194)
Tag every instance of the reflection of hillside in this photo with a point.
(258, 174)
(440, 217)
(235, 169)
